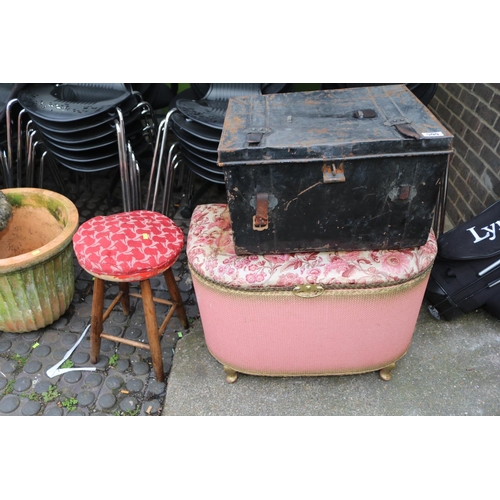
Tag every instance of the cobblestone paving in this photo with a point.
(124, 382)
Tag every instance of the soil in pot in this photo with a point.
(28, 229)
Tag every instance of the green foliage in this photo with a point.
(132, 413)
(8, 388)
(70, 404)
(68, 364)
(113, 360)
(19, 359)
(50, 394)
(127, 413)
(32, 396)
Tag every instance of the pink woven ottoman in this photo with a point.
(321, 313)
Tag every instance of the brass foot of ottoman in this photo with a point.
(231, 375)
(386, 372)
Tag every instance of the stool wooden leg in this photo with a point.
(152, 329)
(96, 320)
(176, 297)
(125, 298)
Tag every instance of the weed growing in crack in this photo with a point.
(70, 404)
(113, 360)
(68, 364)
(21, 361)
(8, 388)
(50, 394)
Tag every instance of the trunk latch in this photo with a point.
(261, 217)
(333, 173)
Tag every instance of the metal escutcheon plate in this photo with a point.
(308, 291)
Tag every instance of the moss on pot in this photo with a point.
(36, 260)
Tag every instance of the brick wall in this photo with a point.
(471, 112)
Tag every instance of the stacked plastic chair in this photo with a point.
(197, 124)
(90, 127)
(21, 149)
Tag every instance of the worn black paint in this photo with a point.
(391, 179)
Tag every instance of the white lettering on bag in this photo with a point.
(490, 232)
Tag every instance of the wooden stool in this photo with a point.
(129, 247)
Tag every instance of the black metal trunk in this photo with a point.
(332, 170)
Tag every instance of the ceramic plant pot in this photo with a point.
(37, 281)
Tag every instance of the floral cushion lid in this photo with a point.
(211, 253)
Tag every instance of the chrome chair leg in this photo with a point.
(8, 119)
(54, 169)
(158, 159)
(42, 167)
(20, 150)
(122, 154)
(154, 174)
(6, 173)
(179, 165)
(134, 178)
(30, 145)
(169, 177)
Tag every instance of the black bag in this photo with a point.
(466, 271)
(493, 305)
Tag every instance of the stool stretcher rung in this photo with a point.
(121, 340)
(155, 299)
(112, 305)
(167, 319)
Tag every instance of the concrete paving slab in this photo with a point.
(451, 368)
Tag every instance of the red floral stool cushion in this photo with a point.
(128, 246)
